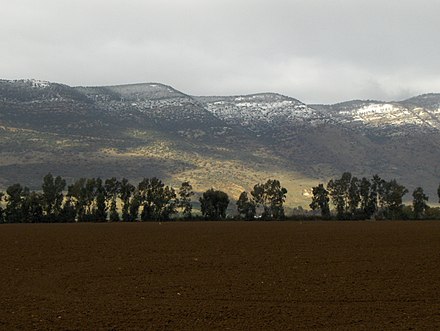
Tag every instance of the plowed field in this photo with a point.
(209, 275)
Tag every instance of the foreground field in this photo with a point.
(243, 276)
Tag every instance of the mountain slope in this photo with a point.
(396, 139)
(228, 142)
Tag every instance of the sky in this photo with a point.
(318, 51)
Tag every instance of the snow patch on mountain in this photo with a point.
(379, 115)
(36, 83)
(269, 110)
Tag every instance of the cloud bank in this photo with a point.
(318, 51)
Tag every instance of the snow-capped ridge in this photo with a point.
(260, 112)
(263, 111)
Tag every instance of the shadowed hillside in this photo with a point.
(230, 143)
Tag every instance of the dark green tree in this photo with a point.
(14, 207)
(135, 204)
(126, 190)
(419, 203)
(157, 199)
(68, 212)
(33, 209)
(100, 197)
(354, 197)
(365, 198)
(213, 204)
(90, 196)
(337, 197)
(345, 195)
(184, 201)
(52, 197)
(376, 194)
(339, 191)
(277, 197)
(78, 194)
(112, 188)
(23, 206)
(392, 199)
(26, 206)
(246, 207)
(271, 196)
(320, 200)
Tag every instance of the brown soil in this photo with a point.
(240, 276)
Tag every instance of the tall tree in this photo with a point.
(112, 188)
(52, 197)
(14, 206)
(271, 196)
(34, 208)
(135, 204)
(354, 197)
(345, 195)
(184, 201)
(320, 200)
(277, 195)
(246, 207)
(78, 194)
(126, 190)
(392, 199)
(158, 200)
(89, 199)
(100, 210)
(23, 206)
(419, 203)
(90, 195)
(377, 193)
(213, 204)
(68, 212)
(365, 198)
(337, 194)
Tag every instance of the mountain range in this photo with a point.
(226, 142)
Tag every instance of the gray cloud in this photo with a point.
(314, 50)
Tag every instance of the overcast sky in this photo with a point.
(315, 50)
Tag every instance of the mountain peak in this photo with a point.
(134, 92)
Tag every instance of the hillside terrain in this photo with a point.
(227, 142)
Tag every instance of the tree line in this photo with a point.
(98, 200)
(374, 198)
